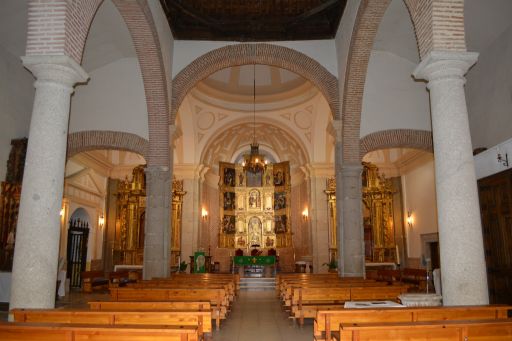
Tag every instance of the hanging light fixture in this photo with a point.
(254, 161)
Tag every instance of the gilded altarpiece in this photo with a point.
(379, 231)
(255, 207)
(130, 221)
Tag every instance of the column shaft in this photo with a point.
(352, 231)
(464, 279)
(156, 240)
(37, 235)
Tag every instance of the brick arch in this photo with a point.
(438, 24)
(137, 16)
(368, 18)
(97, 139)
(266, 54)
(60, 27)
(396, 138)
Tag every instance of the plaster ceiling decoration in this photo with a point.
(205, 120)
(271, 138)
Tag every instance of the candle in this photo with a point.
(397, 255)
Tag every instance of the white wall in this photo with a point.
(487, 164)
(392, 99)
(113, 99)
(16, 100)
(489, 93)
(419, 198)
(323, 51)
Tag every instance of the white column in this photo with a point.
(464, 278)
(37, 236)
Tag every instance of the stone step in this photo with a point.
(257, 284)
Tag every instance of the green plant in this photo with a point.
(183, 266)
(333, 264)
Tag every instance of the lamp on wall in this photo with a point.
(62, 211)
(503, 160)
(410, 219)
(254, 161)
(305, 214)
(204, 214)
(101, 221)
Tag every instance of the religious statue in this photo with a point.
(255, 231)
(254, 199)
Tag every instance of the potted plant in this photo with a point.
(332, 265)
(183, 266)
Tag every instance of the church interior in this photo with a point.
(264, 146)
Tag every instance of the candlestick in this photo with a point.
(397, 255)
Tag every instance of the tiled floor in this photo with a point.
(255, 316)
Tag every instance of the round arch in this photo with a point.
(242, 54)
(96, 139)
(396, 138)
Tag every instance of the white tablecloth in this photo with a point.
(5, 286)
(372, 304)
(127, 267)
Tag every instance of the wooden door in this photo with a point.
(495, 194)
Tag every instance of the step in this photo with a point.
(257, 284)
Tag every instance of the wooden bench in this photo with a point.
(416, 277)
(327, 321)
(179, 283)
(217, 297)
(13, 331)
(458, 330)
(307, 301)
(91, 279)
(149, 306)
(202, 320)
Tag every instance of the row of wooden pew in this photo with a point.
(182, 308)
(322, 297)
(303, 295)
(460, 323)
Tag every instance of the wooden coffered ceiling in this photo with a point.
(253, 20)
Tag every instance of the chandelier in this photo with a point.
(254, 161)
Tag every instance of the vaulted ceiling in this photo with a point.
(256, 20)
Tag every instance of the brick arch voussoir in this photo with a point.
(98, 139)
(368, 19)
(79, 17)
(242, 54)
(396, 138)
(138, 18)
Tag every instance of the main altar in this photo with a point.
(254, 207)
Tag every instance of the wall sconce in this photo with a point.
(503, 161)
(410, 219)
(305, 214)
(62, 211)
(101, 221)
(204, 213)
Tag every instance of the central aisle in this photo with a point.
(257, 316)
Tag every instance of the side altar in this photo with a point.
(255, 266)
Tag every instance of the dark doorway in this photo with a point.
(78, 236)
(434, 255)
(495, 194)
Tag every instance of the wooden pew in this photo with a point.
(13, 331)
(187, 283)
(91, 279)
(458, 330)
(307, 301)
(217, 297)
(202, 320)
(327, 321)
(149, 306)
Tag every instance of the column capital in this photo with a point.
(56, 69)
(439, 65)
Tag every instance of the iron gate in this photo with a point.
(78, 235)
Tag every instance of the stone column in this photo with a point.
(156, 239)
(352, 247)
(464, 278)
(34, 274)
(338, 160)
